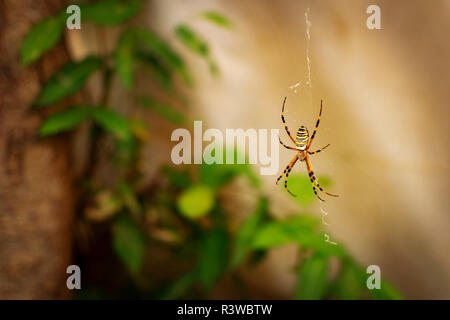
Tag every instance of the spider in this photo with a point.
(302, 145)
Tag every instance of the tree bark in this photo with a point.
(36, 198)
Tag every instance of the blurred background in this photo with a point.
(86, 177)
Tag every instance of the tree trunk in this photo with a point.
(36, 198)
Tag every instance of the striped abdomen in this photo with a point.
(302, 138)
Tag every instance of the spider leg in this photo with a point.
(284, 172)
(288, 167)
(314, 189)
(313, 180)
(291, 164)
(287, 147)
(320, 188)
(284, 122)
(315, 128)
(317, 151)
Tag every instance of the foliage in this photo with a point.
(196, 201)
(68, 80)
(110, 12)
(194, 42)
(129, 243)
(217, 18)
(41, 38)
(184, 214)
(313, 276)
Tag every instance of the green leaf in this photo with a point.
(293, 229)
(302, 222)
(163, 110)
(317, 242)
(161, 73)
(386, 292)
(300, 185)
(246, 232)
(350, 282)
(217, 19)
(68, 80)
(213, 250)
(64, 120)
(307, 232)
(163, 52)
(313, 278)
(179, 288)
(217, 175)
(113, 122)
(110, 12)
(271, 235)
(129, 243)
(301, 229)
(196, 202)
(108, 119)
(42, 37)
(177, 178)
(191, 40)
(125, 58)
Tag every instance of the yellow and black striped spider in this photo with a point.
(302, 145)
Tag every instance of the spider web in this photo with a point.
(308, 87)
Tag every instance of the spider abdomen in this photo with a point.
(302, 138)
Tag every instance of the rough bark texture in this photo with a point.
(36, 200)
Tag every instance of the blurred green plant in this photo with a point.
(185, 215)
